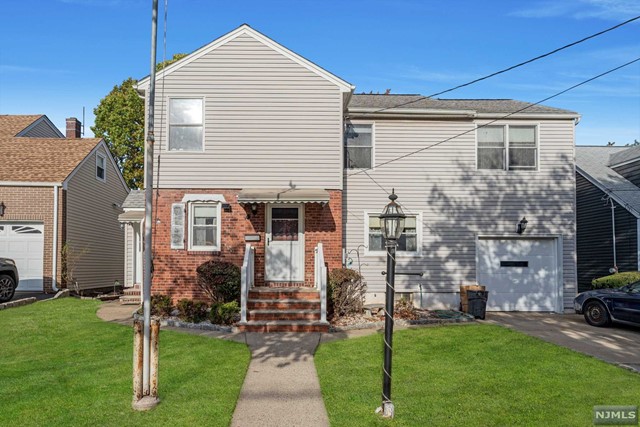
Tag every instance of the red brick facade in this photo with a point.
(35, 204)
(175, 269)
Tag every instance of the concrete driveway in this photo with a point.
(619, 344)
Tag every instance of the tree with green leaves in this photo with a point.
(120, 122)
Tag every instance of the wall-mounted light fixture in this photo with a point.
(2, 208)
(254, 208)
(522, 225)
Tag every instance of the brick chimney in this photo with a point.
(74, 128)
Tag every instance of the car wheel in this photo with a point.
(595, 313)
(7, 288)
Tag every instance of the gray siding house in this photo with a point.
(281, 160)
(608, 211)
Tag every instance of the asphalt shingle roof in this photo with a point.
(629, 153)
(135, 200)
(11, 125)
(594, 163)
(477, 105)
(42, 159)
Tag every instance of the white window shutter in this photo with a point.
(177, 226)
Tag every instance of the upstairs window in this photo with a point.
(101, 165)
(408, 241)
(186, 124)
(358, 146)
(507, 147)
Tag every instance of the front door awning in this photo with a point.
(129, 217)
(288, 195)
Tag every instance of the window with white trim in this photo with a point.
(186, 124)
(101, 167)
(508, 147)
(408, 241)
(358, 146)
(204, 226)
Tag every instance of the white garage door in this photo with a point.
(24, 243)
(520, 274)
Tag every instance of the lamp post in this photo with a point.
(392, 219)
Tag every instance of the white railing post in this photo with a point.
(321, 281)
(246, 280)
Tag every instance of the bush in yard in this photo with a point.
(161, 305)
(220, 280)
(404, 309)
(224, 313)
(346, 292)
(616, 280)
(191, 311)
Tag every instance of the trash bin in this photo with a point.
(464, 301)
(477, 303)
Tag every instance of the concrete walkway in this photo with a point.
(281, 387)
(618, 344)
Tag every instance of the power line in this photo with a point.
(498, 119)
(508, 68)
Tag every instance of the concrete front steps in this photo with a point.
(131, 296)
(283, 310)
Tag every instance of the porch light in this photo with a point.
(392, 219)
(254, 208)
(2, 208)
(522, 225)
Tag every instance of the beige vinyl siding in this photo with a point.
(93, 231)
(458, 202)
(129, 253)
(41, 130)
(268, 122)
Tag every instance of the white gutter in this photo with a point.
(54, 267)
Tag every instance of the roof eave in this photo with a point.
(409, 112)
(607, 191)
(531, 116)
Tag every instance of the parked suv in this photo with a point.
(8, 279)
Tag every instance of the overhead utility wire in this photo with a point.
(498, 119)
(509, 68)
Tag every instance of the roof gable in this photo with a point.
(12, 125)
(43, 120)
(245, 29)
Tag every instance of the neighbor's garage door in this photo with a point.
(520, 274)
(24, 243)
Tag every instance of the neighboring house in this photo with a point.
(257, 145)
(59, 204)
(607, 179)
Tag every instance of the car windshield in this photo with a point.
(631, 287)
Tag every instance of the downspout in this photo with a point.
(613, 235)
(54, 266)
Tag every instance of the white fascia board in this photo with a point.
(411, 112)
(44, 119)
(533, 116)
(28, 184)
(91, 153)
(626, 162)
(242, 30)
(608, 192)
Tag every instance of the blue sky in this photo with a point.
(57, 56)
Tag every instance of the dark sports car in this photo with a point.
(602, 306)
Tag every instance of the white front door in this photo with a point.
(284, 243)
(24, 243)
(520, 274)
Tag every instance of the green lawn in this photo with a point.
(62, 366)
(471, 375)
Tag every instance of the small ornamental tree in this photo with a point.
(220, 280)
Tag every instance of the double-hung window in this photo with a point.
(408, 241)
(204, 226)
(509, 147)
(101, 167)
(358, 146)
(186, 124)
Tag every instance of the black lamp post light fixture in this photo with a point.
(392, 219)
(2, 208)
(522, 225)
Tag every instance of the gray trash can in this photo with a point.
(477, 303)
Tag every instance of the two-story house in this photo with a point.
(258, 147)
